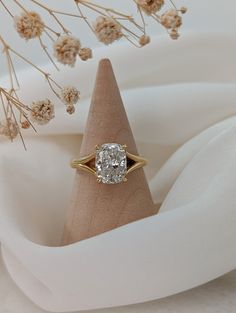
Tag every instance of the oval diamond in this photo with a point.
(111, 163)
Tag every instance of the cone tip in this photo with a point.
(104, 61)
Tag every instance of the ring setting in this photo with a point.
(110, 163)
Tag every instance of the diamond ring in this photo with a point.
(110, 163)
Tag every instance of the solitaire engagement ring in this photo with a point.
(110, 163)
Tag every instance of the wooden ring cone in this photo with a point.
(96, 208)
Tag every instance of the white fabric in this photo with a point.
(182, 99)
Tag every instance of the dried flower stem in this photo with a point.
(52, 13)
(6, 8)
(21, 6)
(48, 55)
(85, 19)
(45, 74)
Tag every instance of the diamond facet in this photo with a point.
(111, 163)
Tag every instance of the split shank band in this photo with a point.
(110, 163)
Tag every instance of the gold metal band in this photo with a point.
(83, 163)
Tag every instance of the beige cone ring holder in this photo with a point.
(107, 122)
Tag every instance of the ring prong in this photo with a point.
(73, 163)
(99, 180)
(125, 179)
(124, 146)
(97, 147)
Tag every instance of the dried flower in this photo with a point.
(107, 29)
(171, 19)
(150, 6)
(70, 95)
(174, 34)
(183, 10)
(42, 111)
(144, 40)
(25, 124)
(85, 54)
(70, 108)
(66, 49)
(9, 128)
(29, 25)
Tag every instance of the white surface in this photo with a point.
(193, 239)
(217, 296)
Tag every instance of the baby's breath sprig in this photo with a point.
(61, 46)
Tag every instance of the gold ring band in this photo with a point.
(110, 163)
